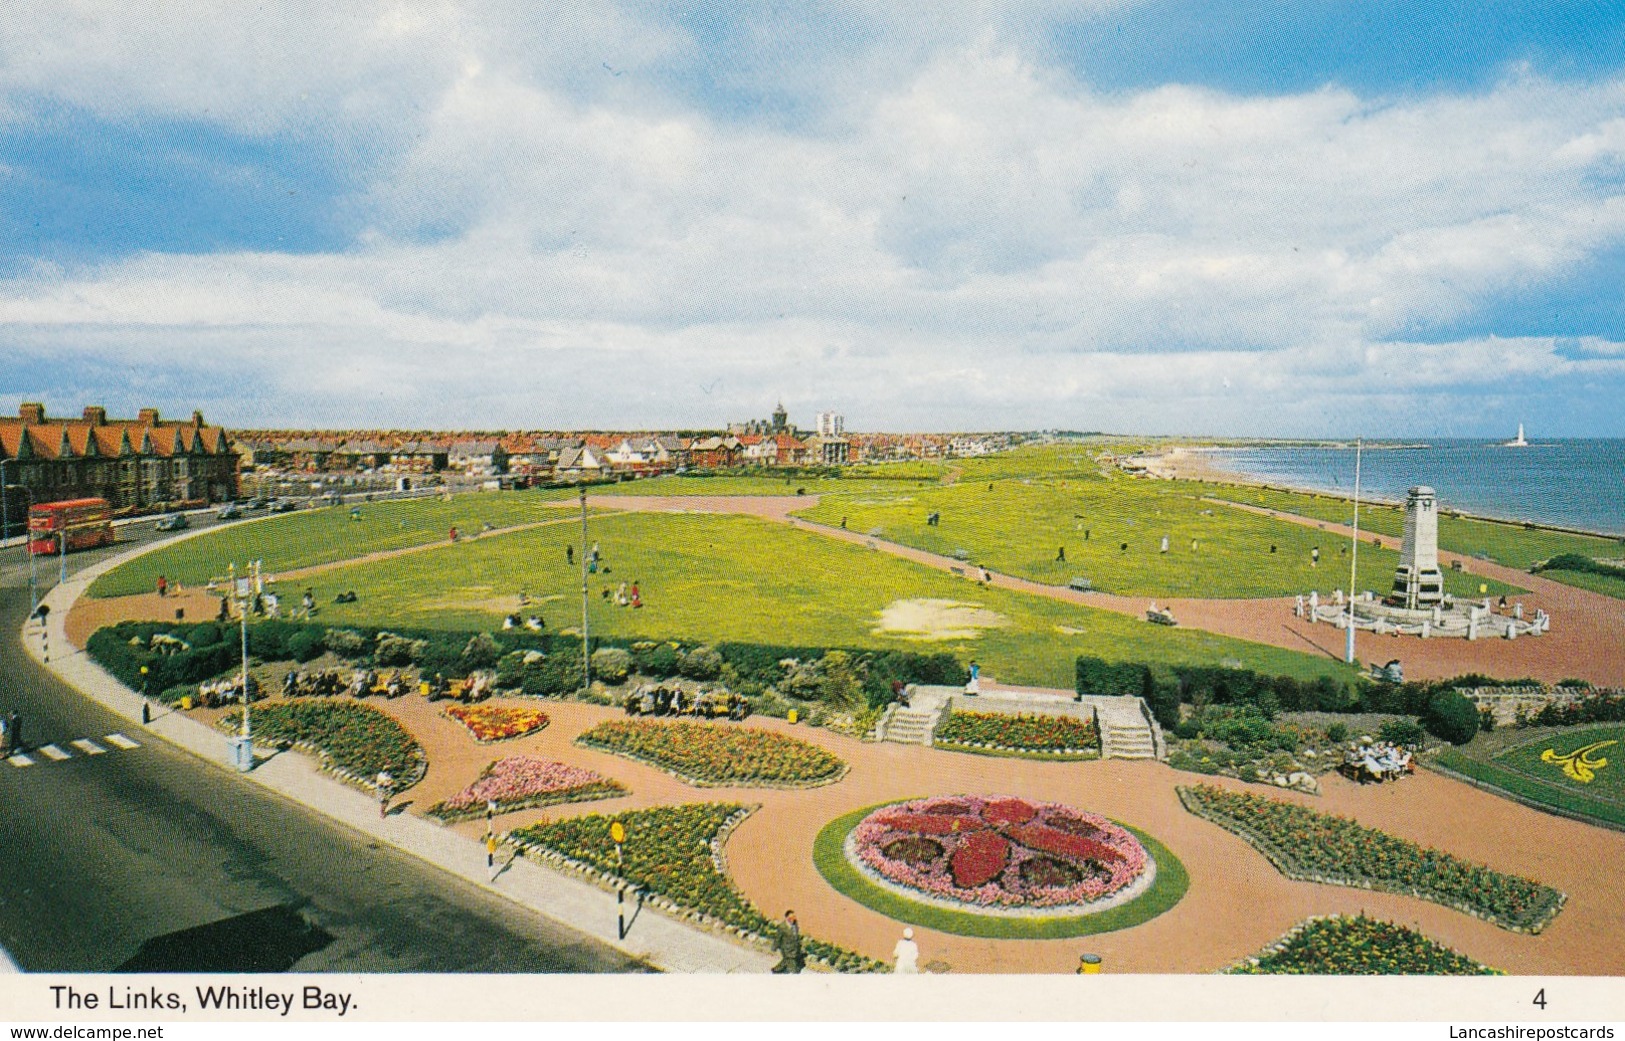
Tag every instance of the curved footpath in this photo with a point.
(660, 942)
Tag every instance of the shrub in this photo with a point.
(1098, 676)
(1452, 716)
(1337, 733)
(611, 664)
(398, 650)
(1402, 732)
(481, 652)
(511, 669)
(305, 645)
(702, 663)
(553, 674)
(347, 643)
(205, 634)
(656, 659)
(268, 639)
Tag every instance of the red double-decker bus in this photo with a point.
(72, 524)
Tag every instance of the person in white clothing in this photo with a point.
(907, 953)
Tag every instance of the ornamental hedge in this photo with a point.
(350, 737)
(674, 853)
(717, 754)
(1340, 945)
(1166, 687)
(1320, 847)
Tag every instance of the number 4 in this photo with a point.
(1540, 998)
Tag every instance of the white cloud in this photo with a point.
(977, 240)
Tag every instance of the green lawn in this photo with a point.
(865, 478)
(294, 540)
(1520, 772)
(1607, 782)
(1607, 585)
(710, 578)
(1510, 544)
(1166, 890)
(1018, 526)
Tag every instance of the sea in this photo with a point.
(1566, 483)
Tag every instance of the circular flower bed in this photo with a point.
(1001, 855)
(490, 723)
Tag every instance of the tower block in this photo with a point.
(1417, 581)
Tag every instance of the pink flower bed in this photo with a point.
(523, 780)
(998, 852)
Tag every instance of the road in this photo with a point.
(152, 859)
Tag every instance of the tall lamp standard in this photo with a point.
(1354, 554)
(586, 653)
(242, 746)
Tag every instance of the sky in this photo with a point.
(1300, 219)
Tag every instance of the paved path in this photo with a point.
(659, 941)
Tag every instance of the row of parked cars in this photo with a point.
(229, 511)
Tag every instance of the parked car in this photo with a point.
(259, 502)
(284, 506)
(173, 522)
(230, 511)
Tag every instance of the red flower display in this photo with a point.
(999, 853)
(979, 858)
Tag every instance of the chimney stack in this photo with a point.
(197, 418)
(147, 417)
(32, 412)
(95, 415)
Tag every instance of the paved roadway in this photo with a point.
(107, 857)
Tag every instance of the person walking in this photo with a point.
(385, 785)
(790, 957)
(1314, 557)
(491, 854)
(973, 686)
(907, 953)
(1060, 555)
(569, 553)
(637, 596)
(163, 586)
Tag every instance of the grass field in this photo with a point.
(710, 578)
(1166, 890)
(1510, 544)
(295, 540)
(1018, 527)
(1607, 585)
(876, 478)
(1514, 766)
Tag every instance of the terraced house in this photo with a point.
(134, 464)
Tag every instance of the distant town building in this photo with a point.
(134, 464)
(831, 424)
(778, 424)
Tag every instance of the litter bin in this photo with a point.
(791, 717)
(1089, 965)
(241, 752)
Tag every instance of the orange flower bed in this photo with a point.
(490, 723)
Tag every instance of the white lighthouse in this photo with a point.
(1417, 581)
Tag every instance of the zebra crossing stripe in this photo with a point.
(18, 759)
(53, 752)
(120, 740)
(87, 746)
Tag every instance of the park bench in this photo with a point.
(1081, 584)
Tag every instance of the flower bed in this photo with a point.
(703, 754)
(675, 854)
(1319, 847)
(1339, 945)
(998, 853)
(353, 740)
(1002, 732)
(492, 723)
(522, 782)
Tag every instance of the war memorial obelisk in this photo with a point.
(1417, 581)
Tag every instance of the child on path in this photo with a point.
(907, 953)
(385, 785)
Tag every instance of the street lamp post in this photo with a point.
(1354, 555)
(586, 652)
(243, 745)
